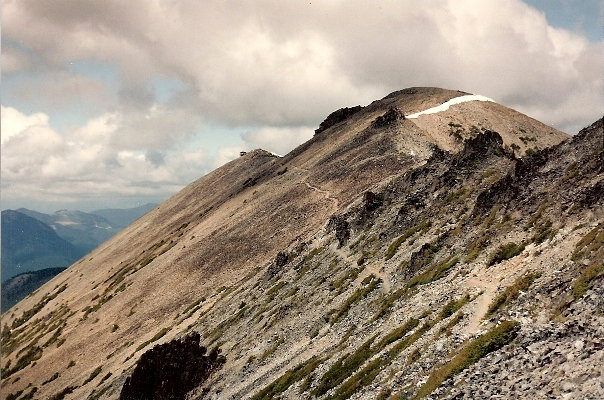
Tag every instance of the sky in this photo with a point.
(115, 104)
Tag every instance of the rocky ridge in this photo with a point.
(378, 260)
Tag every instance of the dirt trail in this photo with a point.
(490, 280)
(326, 193)
(482, 302)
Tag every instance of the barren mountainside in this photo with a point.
(457, 254)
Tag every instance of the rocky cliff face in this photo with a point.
(385, 258)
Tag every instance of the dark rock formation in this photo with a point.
(342, 228)
(336, 117)
(371, 201)
(391, 116)
(280, 261)
(171, 370)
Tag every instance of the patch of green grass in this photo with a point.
(589, 274)
(397, 333)
(447, 329)
(272, 292)
(388, 301)
(30, 394)
(28, 314)
(453, 196)
(61, 395)
(434, 272)
(107, 376)
(511, 292)
(33, 353)
(14, 396)
(451, 307)
(392, 249)
(344, 367)
(491, 341)
(535, 217)
(272, 349)
(292, 376)
(93, 374)
(593, 240)
(505, 252)
(368, 373)
(367, 286)
(544, 232)
(339, 284)
(475, 248)
(52, 378)
(486, 224)
(156, 337)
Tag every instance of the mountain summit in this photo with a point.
(399, 253)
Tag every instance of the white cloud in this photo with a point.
(280, 67)
(39, 163)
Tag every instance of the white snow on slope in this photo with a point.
(445, 106)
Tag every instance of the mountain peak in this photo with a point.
(386, 256)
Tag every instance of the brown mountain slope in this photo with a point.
(203, 260)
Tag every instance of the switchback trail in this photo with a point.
(327, 194)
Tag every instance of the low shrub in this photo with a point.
(491, 341)
(505, 252)
(512, 292)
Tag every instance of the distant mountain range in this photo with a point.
(34, 241)
(29, 244)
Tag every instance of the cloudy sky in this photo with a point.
(115, 103)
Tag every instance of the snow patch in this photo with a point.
(445, 106)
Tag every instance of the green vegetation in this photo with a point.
(589, 274)
(14, 396)
(339, 284)
(388, 301)
(398, 333)
(453, 196)
(33, 353)
(434, 272)
(535, 217)
(475, 248)
(26, 316)
(368, 373)
(93, 374)
(491, 341)
(544, 232)
(392, 249)
(97, 395)
(104, 378)
(52, 378)
(451, 307)
(505, 252)
(292, 376)
(30, 395)
(61, 395)
(157, 336)
(367, 286)
(526, 139)
(447, 329)
(486, 224)
(511, 292)
(592, 241)
(272, 349)
(272, 292)
(344, 367)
